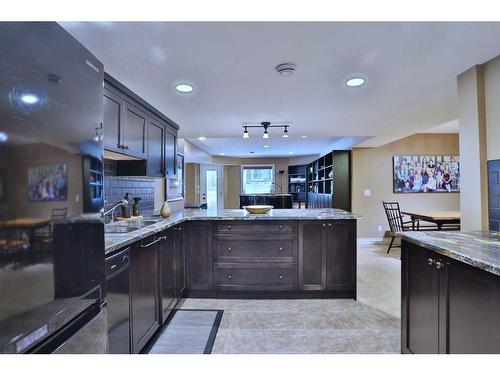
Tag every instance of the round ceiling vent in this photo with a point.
(286, 70)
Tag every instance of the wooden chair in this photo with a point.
(396, 223)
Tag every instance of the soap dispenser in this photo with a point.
(125, 207)
(136, 207)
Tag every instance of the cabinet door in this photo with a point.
(199, 259)
(473, 310)
(340, 245)
(134, 131)
(166, 270)
(170, 154)
(420, 301)
(143, 294)
(156, 149)
(112, 105)
(180, 263)
(312, 255)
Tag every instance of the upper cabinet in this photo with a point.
(171, 154)
(156, 149)
(113, 106)
(134, 128)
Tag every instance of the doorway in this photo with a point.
(211, 186)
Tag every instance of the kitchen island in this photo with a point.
(288, 253)
(450, 285)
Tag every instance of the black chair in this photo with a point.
(396, 223)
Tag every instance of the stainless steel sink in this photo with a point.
(129, 226)
(119, 229)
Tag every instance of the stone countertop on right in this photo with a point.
(478, 249)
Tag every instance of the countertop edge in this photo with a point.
(453, 254)
(168, 223)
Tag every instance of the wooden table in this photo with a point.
(29, 224)
(437, 217)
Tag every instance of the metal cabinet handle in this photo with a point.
(281, 248)
(113, 266)
(281, 226)
(431, 261)
(228, 249)
(229, 276)
(324, 224)
(229, 227)
(155, 241)
(329, 224)
(281, 276)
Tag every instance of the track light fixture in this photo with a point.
(266, 125)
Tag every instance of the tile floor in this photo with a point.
(369, 325)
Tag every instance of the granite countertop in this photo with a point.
(115, 241)
(478, 249)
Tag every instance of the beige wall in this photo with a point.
(16, 164)
(372, 169)
(471, 114)
(492, 104)
(192, 183)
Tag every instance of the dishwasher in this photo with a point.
(118, 297)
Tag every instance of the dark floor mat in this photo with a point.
(188, 332)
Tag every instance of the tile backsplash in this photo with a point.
(494, 194)
(115, 188)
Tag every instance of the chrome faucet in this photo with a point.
(121, 202)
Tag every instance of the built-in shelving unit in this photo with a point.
(297, 182)
(329, 181)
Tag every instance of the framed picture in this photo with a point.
(426, 174)
(48, 183)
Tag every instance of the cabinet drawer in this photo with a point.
(263, 250)
(286, 227)
(255, 276)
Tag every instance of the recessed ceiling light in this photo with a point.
(221, 154)
(201, 138)
(29, 98)
(290, 153)
(3, 137)
(184, 88)
(266, 146)
(304, 136)
(355, 82)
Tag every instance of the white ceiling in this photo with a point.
(411, 71)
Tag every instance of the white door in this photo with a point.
(211, 186)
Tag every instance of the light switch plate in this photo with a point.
(367, 192)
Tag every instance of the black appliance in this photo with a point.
(51, 240)
(118, 297)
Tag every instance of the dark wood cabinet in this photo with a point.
(134, 128)
(340, 245)
(156, 150)
(112, 114)
(199, 259)
(447, 306)
(312, 255)
(327, 256)
(180, 262)
(422, 301)
(166, 279)
(170, 154)
(329, 181)
(144, 292)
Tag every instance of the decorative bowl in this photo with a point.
(258, 208)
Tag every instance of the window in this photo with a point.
(257, 179)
